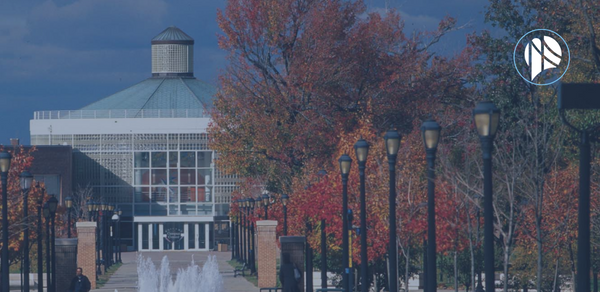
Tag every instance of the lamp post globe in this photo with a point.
(487, 117)
(430, 131)
(361, 149)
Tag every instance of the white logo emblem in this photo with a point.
(542, 52)
(542, 56)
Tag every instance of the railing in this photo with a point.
(120, 114)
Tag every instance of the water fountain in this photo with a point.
(192, 278)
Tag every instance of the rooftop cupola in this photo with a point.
(172, 54)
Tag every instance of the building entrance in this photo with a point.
(173, 236)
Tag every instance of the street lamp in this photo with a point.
(345, 165)
(252, 248)
(120, 213)
(265, 200)
(5, 158)
(26, 180)
(362, 151)
(431, 136)
(46, 213)
(115, 219)
(52, 205)
(487, 117)
(40, 267)
(69, 205)
(284, 201)
(392, 144)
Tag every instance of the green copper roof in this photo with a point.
(160, 94)
(172, 33)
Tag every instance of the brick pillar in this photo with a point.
(267, 253)
(294, 246)
(86, 250)
(66, 262)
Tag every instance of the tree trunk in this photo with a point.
(555, 282)
(406, 271)
(506, 260)
(538, 227)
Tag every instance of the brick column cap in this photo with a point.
(266, 223)
(85, 224)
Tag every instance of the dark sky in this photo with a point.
(65, 54)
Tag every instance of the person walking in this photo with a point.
(289, 275)
(80, 283)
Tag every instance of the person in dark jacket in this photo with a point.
(80, 283)
(286, 275)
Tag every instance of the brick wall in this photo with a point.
(66, 262)
(267, 253)
(86, 250)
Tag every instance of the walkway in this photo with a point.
(125, 279)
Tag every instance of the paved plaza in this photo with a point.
(125, 278)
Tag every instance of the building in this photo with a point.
(145, 148)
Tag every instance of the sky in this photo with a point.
(66, 54)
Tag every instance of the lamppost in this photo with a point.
(251, 203)
(26, 180)
(265, 199)
(581, 96)
(284, 201)
(487, 117)
(40, 263)
(431, 136)
(5, 158)
(115, 218)
(362, 151)
(392, 144)
(110, 238)
(345, 166)
(479, 287)
(46, 212)
(52, 205)
(120, 213)
(243, 229)
(69, 205)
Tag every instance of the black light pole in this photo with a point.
(115, 218)
(248, 239)
(345, 166)
(392, 144)
(284, 201)
(46, 212)
(5, 158)
(26, 180)
(235, 253)
(323, 255)
(40, 260)
(362, 151)
(581, 96)
(265, 200)
(232, 234)
(69, 205)
(486, 117)
(243, 230)
(52, 205)
(350, 269)
(251, 203)
(309, 260)
(431, 136)
(120, 213)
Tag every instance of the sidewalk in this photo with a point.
(125, 278)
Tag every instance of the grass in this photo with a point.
(102, 279)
